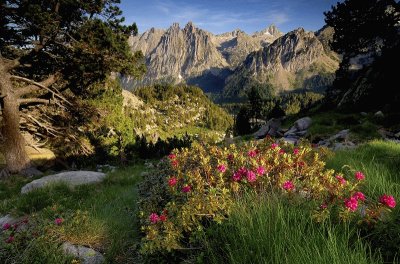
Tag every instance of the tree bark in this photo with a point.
(14, 144)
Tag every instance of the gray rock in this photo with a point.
(291, 140)
(31, 172)
(7, 219)
(344, 145)
(271, 128)
(363, 114)
(303, 123)
(301, 133)
(397, 135)
(291, 131)
(341, 135)
(379, 114)
(71, 178)
(84, 254)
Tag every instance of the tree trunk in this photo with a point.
(14, 144)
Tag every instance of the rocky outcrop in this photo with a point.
(71, 178)
(84, 254)
(195, 55)
(295, 60)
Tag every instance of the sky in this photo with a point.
(219, 16)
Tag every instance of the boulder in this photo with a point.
(271, 128)
(84, 254)
(303, 123)
(379, 114)
(71, 178)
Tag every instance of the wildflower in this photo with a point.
(174, 163)
(58, 221)
(10, 239)
(359, 196)
(186, 188)
(221, 168)
(154, 218)
(163, 218)
(388, 200)
(172, 156)
(274, 146)
(260, 170)
(359, 176)
(251, 176)
(301, 163)
(252, 153)
(6, 226)
(237, 176)
(351, 204)
(288, 185)
(281, 151)
(341, 180)
(296, 151)
(323, 206)
(172, 181)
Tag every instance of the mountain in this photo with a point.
(297, 60)
(194, 55)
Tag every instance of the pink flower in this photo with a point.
(281, 151)
(172, 181)
(274, 146)
(6, 226)
(351, 204)
(388, 200)
(341, 180)
(221, 168)
(296, 151)
(154, 218)
(301, 163)
(359, 176)
(252, 153)
(163, 218)
(288, 185)
(251, 176)
(174, 163)
(323, 206)
(10, 239)
(186, 188)
(172, 156)
(359, 196)
(260, 170)
(58, 221)
(237, 176)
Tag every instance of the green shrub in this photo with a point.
(198, 185)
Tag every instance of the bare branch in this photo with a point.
(56, 93)
(33, 100)
(33, 88)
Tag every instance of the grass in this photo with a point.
(100, 216)
(269, 230)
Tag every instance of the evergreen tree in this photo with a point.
(47, 47)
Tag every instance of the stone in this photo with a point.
(7, 219)
(271, 128)
(397, 135)
(291, 131)
(31, 172)
(291, 140)
(71, 178)
(379, 114)
(363, 114)
(344, 145)
(303, 123)
(84, 254)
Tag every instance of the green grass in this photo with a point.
(269, 230)
(101, 216)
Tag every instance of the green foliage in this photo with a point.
(269, 229)
(380, 161)
(199, 185)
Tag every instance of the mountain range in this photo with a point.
(231, 62)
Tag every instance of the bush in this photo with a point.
(196, 186)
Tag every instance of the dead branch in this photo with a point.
(34, 100)
(33, 88)
(55, 93)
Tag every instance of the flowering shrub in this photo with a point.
(197, 185)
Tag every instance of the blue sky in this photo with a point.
(220, 16)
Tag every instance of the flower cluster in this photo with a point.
(202, 183)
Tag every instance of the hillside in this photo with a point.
(297, 60)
